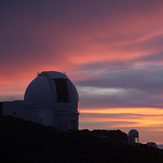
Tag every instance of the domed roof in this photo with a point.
(133, 133)
(151, 144)
(52, 90)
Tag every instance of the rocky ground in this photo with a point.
(24, 141)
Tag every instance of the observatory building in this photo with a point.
(50, 99)
(133, 137)
(151, 144)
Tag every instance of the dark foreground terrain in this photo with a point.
(24, 141)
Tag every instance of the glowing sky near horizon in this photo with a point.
(111, 49)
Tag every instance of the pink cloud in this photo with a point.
(105, 44)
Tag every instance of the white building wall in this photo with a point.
(66, 121)
(59, 120)
(46, 117)
(16, 109)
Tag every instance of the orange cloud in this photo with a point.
(143, 111)
(148, 121)
(68, 38)
(114, 118)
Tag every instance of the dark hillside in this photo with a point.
(24, 141)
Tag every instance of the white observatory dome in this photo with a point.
(152, 144)
(133, 133)
(52, 90)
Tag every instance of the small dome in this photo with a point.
(133, 133)
(151, 144)
(52, 90)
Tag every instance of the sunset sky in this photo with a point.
(111, 49)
